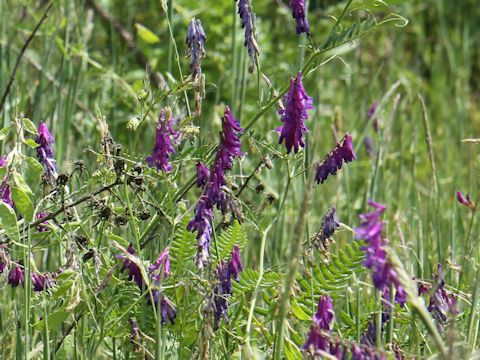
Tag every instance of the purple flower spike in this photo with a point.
(342, 152)
(248, 23)
(235, 265)
(299, 13)
(221, 290)
(195, 41)
(442, 302)
(324, 317)
(15, 276)
(383, 273)
(134, 272)
(202, 174)
(163, 147)
(45, 151)
(294, 115)
(161, 267)
(465, 200)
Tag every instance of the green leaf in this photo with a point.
(9, 221)
(3, 133)
(33, 173)
(31, 143)
(29, 126)
(298, 312)
(182, 248)
(291, 351)
(146, 34)
(20, 182)
(233, 235)
(55, 319)
(23, 203)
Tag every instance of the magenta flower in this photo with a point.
(45, 151)
(465, 200)
(195, 41)
(134, 272)
(299, 13)
(5, 195)
(294, 115)
(42, 227)
(342, 152)
(213, 194)
(324, 317)
(202, 174)
(41, 282)
(370, 230)
(442, 302)
(248, 23)
(163, 147)
(15, 276)
(161, 267)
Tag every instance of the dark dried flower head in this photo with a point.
(161, 267)
(442, 302)
(163, 147)
(294, 115)
(370, 230)
(202, 174)
(342, 152)
(329, 225)
(299, 13)
(134, 272)
(135, 331)
(248, 23)
(16, 275)
(465, 200)
(45, 151)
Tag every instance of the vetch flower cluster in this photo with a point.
(213, 194)
(294, 115)
(383, 273)
(45, 151)
(163, 147)
(195, 41)
(299, 13)
(224, 273)
(5, 195)
(442, 302)
(465, 200)
(248, 23)
(342, 152)
(327, 230)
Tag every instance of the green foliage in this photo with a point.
(225, 242)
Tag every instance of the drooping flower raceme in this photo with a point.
(213, 194)
(383, 273)
(134, 272)
(16, 275)
(342, 152)
(45, 151)
(294, 115)
(163, 147)
(202, 174)
(248, 23)
(41, 282)
(442, 302)
(299, 13)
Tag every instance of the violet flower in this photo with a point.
(329, 225)
(294, 115)
(235, 265)
(161, 267)
(45, 151)
(42, 227)
(365, 352)
(324, 317)
(372, 109)
(342, 152)
(15, 276)
(442, 302)
(213, 194)
(41, 282)
(370, 230)
(248, 23)
(299, 13)
(5, 195)
(465, 200)
(134, 272)
(167, 310)
(202, 174)
(163, 147)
